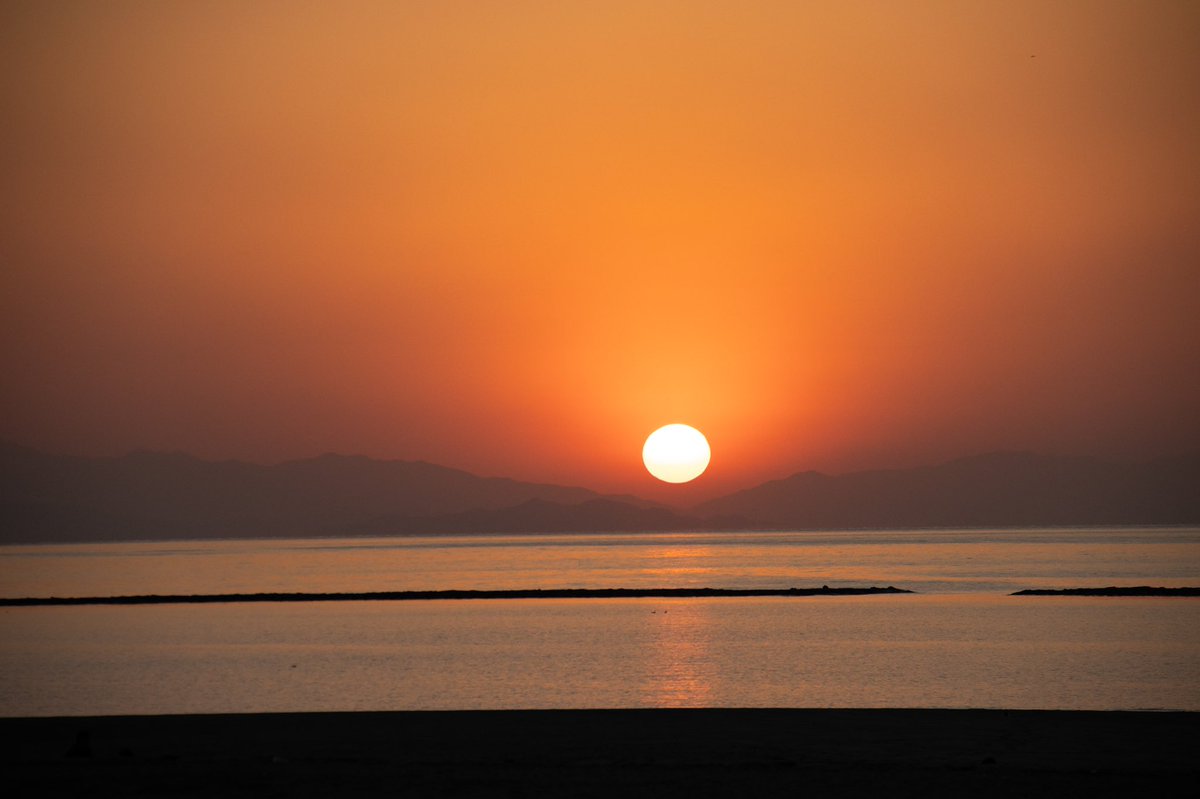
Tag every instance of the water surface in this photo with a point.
(894, 651)
(990, 561)
(962, 642)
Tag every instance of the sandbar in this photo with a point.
(401, 596)
(1112, 590)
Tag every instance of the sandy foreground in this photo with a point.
(630, 753)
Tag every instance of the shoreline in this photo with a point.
(705, 752)
(404, 596)
(559, 593)
(757, 530)
(1112, 590)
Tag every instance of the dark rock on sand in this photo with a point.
(82, 746)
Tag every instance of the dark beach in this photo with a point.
(607, 752)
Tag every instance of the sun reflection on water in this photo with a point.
(668, 563)
(680, 671)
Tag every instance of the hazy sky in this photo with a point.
(517, 237)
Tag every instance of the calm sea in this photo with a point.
(960, 642)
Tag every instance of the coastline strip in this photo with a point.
(401, 596)
(666, 754)
(1112, 590)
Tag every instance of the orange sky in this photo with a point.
(517, 237)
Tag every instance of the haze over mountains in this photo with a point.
(994, 490)
(145, 496)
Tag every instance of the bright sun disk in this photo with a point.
(676, 453)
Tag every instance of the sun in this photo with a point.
(676, 453)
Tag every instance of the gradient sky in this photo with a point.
(517, 237)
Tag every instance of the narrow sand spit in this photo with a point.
(401, 596)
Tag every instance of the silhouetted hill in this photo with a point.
(147, 495)
(152, 495)
(995, 490)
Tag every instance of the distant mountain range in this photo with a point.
(994, 490)
(145, 495)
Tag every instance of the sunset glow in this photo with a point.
(331, 332)
(511, 239)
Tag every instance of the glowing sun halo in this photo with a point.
(676, 453)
